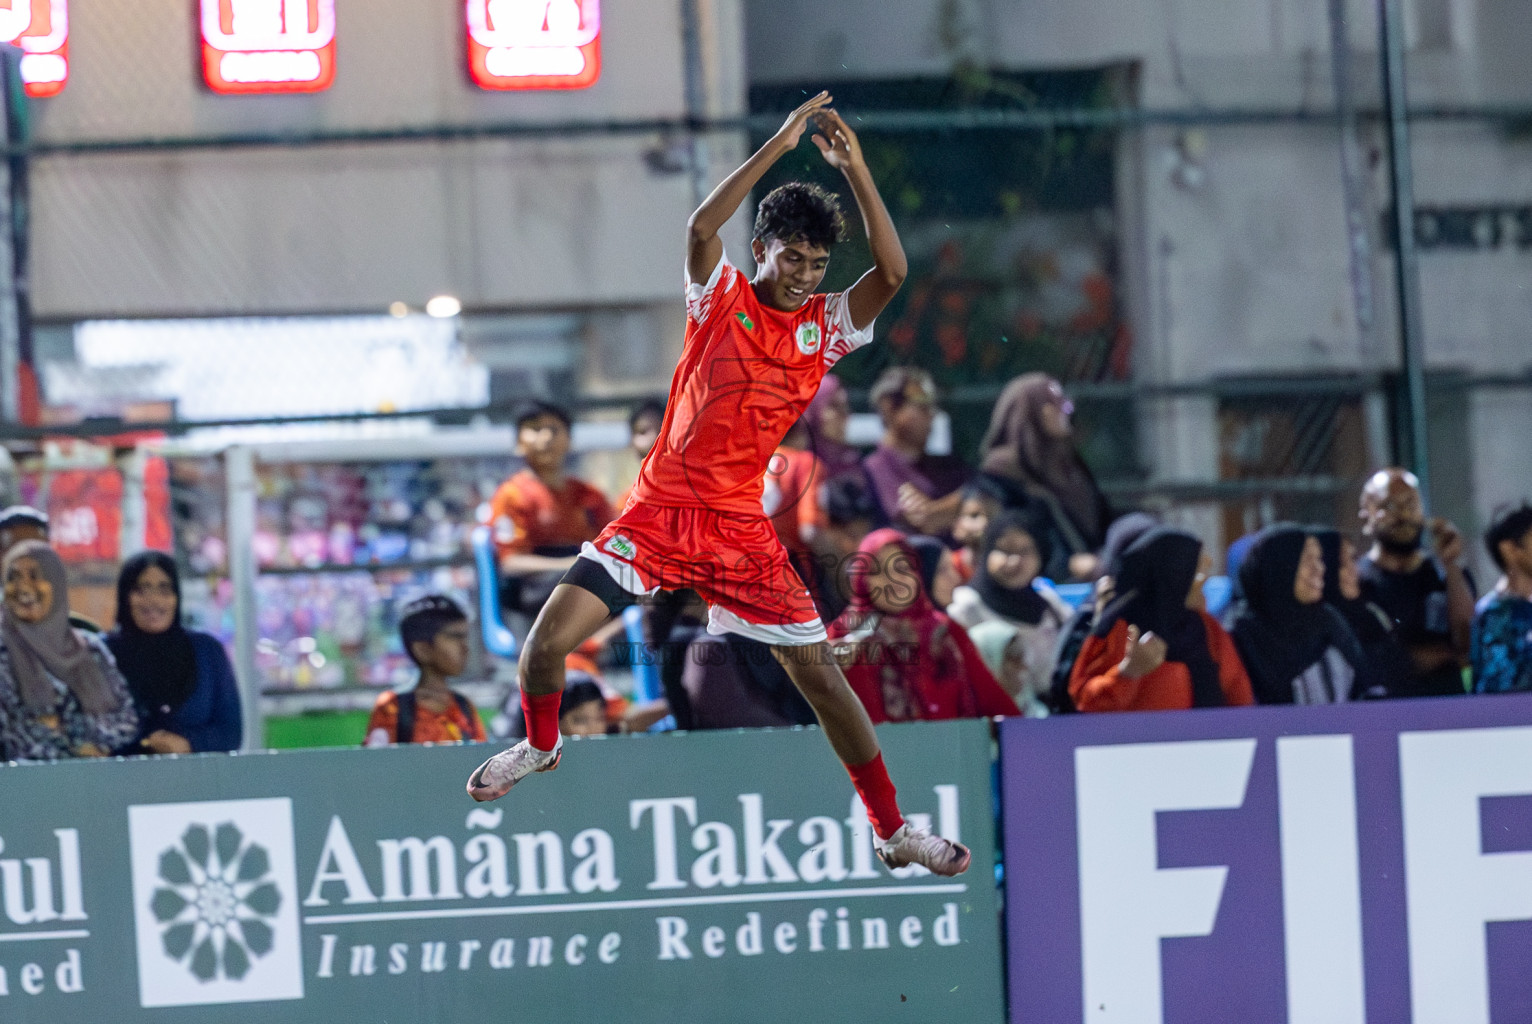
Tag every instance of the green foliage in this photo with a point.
(1010, 234)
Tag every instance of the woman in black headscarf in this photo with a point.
(1152, 648)
(1297, 649)
(1119, 536)
(1011, 557)
(1386, 664)
(181, 679)
(1012, 554)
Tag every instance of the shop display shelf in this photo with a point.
(417, 565)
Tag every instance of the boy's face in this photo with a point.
(973, 519)
(588, 719)
(543, 441)
(445, 653)
(1517, 555)
(788, 272)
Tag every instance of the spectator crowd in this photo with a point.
(150, 686)
(944, 587)
(943, 584)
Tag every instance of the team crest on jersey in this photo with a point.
(622, 547)
(808, 338)
(745, 321)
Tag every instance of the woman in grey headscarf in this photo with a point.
(60, 692)
(1029, 452)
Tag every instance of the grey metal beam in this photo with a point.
(1410, 428)
(1041, 119)
(239, 475)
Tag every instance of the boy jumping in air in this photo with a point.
(754, 355)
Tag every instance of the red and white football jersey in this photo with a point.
(746, 374)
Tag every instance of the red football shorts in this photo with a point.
(735, 562)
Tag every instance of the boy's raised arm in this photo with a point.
(874, 289)
(703, 247)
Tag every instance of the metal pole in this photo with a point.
(1410, 429)
(695, 78)
(21, 249)
(239, 473)
(1353, 187)
(13, 305)
(134, 530)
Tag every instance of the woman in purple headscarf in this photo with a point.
(826, 418)
(1030, 445)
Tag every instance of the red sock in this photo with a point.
(877, 792)
(542, 712)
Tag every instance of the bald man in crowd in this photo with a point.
(1429, 595)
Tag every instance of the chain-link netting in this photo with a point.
(1213, 287)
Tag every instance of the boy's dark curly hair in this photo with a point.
(425, 617)
(800, 212)
(1507, 523)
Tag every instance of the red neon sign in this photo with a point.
(266, 46)
(41, 29)
(534, 44)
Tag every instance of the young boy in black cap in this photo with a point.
(435, 634)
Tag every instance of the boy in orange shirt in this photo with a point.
(541, 515)
(435, 634)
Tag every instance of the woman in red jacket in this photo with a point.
(906, 660)
(1152, 647)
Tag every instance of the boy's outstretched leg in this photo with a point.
(850, 732)
(571, 615)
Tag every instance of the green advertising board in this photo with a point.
(710, 877)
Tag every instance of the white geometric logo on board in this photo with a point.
(215, 902)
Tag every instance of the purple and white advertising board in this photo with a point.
(1360, 864)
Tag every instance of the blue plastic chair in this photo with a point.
(1218, 592)
(646, 674)
(498, 639)
(501, 642)
(1073, 594)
